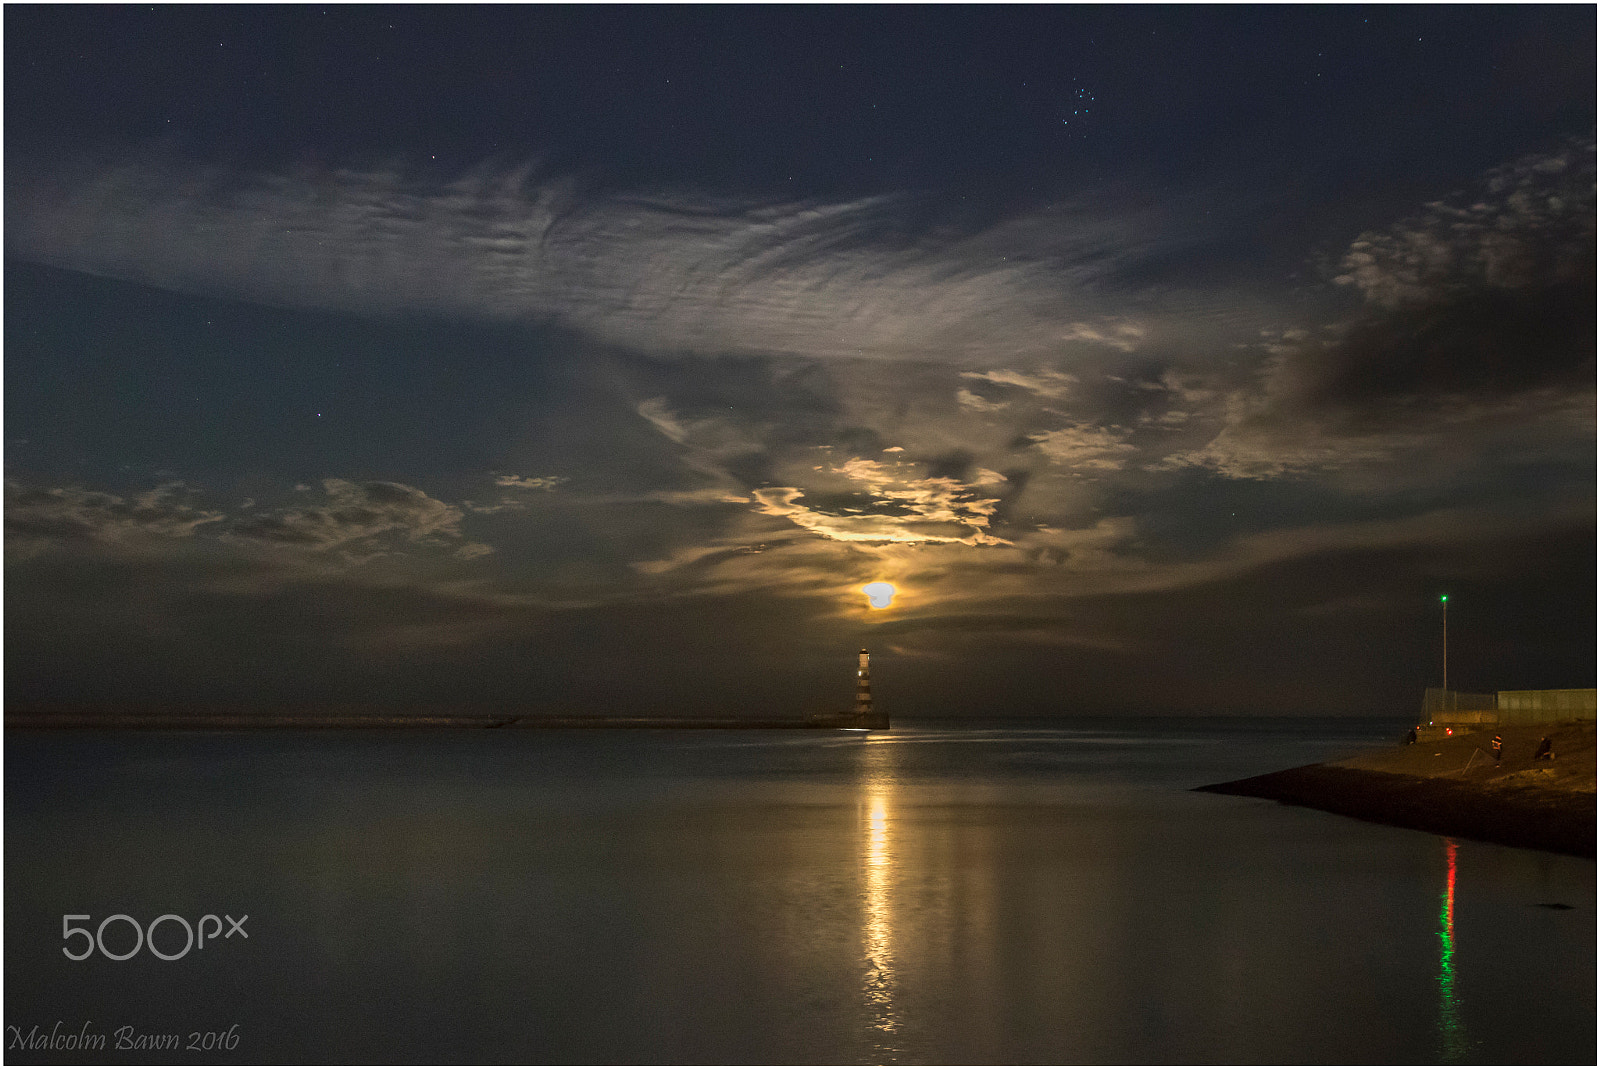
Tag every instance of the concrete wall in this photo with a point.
(1453, 708)
(1466, 718)
(1531, 706)
(1436, 701)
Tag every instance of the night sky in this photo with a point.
(590, 360)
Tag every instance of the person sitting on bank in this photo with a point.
(1544, 753)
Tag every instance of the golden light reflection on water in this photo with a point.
(878, 873)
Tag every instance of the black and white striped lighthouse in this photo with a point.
(864, 687)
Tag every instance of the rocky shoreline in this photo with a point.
(1456, 787)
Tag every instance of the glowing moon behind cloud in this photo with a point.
(879, 595)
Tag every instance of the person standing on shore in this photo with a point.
(1496, 747)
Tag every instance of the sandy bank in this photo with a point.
(1455, 787)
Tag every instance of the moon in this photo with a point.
(879, 595)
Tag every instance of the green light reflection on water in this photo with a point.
(1452, 1035)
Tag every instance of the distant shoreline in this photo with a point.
(169, 722)
(1457, 788)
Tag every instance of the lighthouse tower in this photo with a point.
(864, 687)
(863, 713)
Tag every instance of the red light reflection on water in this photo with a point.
(1452, 1038)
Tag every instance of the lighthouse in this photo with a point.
(863, 715)
(864, 687)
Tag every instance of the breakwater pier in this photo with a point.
(1454, 785)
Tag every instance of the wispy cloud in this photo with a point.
(1043, 572)
(895, 505)
(378, 566)
(530, 482)
(357, 521)
(708, 496)
(512, 502)
(356, 517)
(655, 273)
(977, 476)
(1044, 382)
(36, 518)
(1123, 336)
(969, 400)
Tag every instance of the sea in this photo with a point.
(947, 892)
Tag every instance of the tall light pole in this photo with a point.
(1444, 623)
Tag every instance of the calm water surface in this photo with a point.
(947, 892)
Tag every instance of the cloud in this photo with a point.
(1475, 341)
(380, 567)
(1426, 442)
(661, 274)
(1272, 450)
(1109, 558)
(1529, 223)
(1044, 383)
(896, 506)
(661, 418)
(539, 482)
(1086, 448)
(1043, 572)
(1124, 337)
(37, 518)
(702, 498)
(777, 474)
(708, 496)
(956, 629)
(1193, 388)
(357, 522)
(356, 518)
(511, 502)
(969, 400)
(708, 446)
